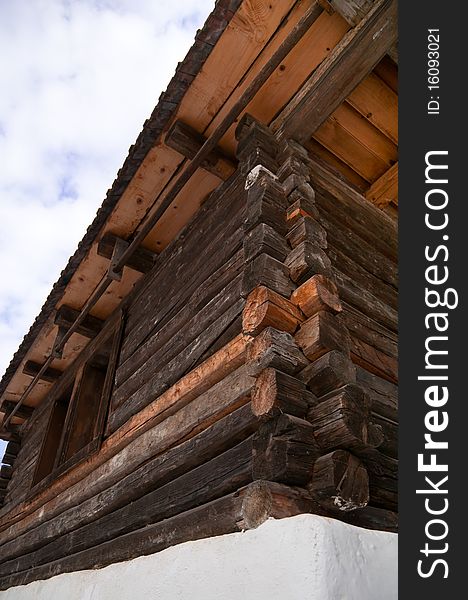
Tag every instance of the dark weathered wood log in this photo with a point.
(66, 316)
(365, 301)
(374, 360)
(300, 206)
(168, 342)
(219, 476)
(23, 412)
(342, 420)
(321, 333)
(384, 292)
(6, 471)
(344, 68)
(383, 394)
(50, 374)
(346, 235)
(263, 239)
(244, 509)
(174, 369)
(316, 294)
(201, 397)
(267, 271)
(382, 497)
(266, 203)
(342, 205)
(12, 433)
(370, 331)
(155, 342)
(305, 260)
(266, 308)
(389, 446)
(276, 392)
(371, 517)
(307, 229)
(187, 141)
(142, 260)
(358, 258)
(4, 481)
(285, 451)
(228, 335)
(340, 481)
(276, 349)
(210, 240)
(329, 372)
(174, 462)
(201, 286)
(145, 385)
(256, 145)
(8, 459)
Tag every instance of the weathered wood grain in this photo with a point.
(285, 450)
(246, 508)
(340, 481)
(276, 349)
(344, 68)
(266, 308)
(316, 294)
(172, 463)
(321, 333)
(331, 371)
(276, 392)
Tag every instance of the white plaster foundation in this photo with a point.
(300, 558)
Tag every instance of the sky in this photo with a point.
(77, 80)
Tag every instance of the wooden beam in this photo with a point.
(6, 471)
(32, 368)
(24, 412)
(66, 316)
(265, 308)
(340, 481)
(142, 260)
(12, 433)
(187, 141)
(385, 190)
(316, 294)
(393, 53)
(345, 67)
(352, 11)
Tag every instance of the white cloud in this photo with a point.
(78, 78)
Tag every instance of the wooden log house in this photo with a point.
(222, 346)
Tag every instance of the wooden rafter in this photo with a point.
(346, 66)
(385, 190)
(187, 141)
(32, 368)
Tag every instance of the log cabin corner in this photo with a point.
(222, 346)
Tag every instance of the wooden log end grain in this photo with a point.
(276, 392)
(276, 349)
(316, 294)
(329, 372)
(266, 308)
(340, 481)
(321, 333)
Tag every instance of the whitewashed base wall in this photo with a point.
(301, 558)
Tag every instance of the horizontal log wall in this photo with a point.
(28, 454)
(188, 303)
(256, 378)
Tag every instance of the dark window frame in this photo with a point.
(68, 391)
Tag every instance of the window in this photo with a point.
(77, 417)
